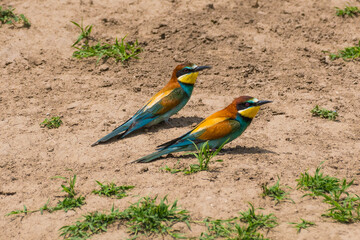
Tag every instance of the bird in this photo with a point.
(168, 101)
(220, 127)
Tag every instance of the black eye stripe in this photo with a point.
(242, 106)
(183, 71)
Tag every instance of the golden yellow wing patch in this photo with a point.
(215, 128)
(168, 103)
(155, 99)
(208, 123)
(218, 131)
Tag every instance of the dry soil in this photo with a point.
(272, 50)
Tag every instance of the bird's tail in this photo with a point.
(114, 133)
(155, 155)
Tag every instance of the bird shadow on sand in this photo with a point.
(176, 122)
(233, 150)
(245, 150)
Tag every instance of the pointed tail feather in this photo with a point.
(154, 156)
(114, 133)
(135, 126)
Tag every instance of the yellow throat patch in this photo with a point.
(189, 78)
(249, 112)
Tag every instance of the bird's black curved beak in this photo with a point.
(262, 102)
(200, 68)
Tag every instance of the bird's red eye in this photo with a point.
(247, 104)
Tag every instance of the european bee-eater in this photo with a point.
(224, 125)
(162, 105)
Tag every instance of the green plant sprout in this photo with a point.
(303, 225)
(245, 232)
(25, 211)
(349, 53)
(218, 228)
(111, 189)
(233, 229)
(275, 192)
(7, 16)
(348, 10)
(229, 229)
(92, 223)
(173, 170)
(203, 155)
(69, 203)
(143, 217)
(120, 50)
(317, 184)
(53, 122)
(257, 221)
(343, 209)
(85, 33)
(324, 113)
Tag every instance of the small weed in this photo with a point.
(145, 217)
(172, 170)
(120, 50)
(53, 122)
(85, 33)
(344, 209)
(324, 113)
(7, 16)
(233, 229)
(203, 155)
(25, 211)
(229, 229)
(111, 189)
(303, 225)
(41, 210)
(69, 202)
(93, 223)
(218, 228)
(70, 190)
(276, 192)
(317, 184)
(247, 233)
(349, 53)
(348, 10)
(257, 221)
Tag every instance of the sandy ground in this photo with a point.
(272, 51)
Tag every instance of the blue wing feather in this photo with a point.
(147, 116)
